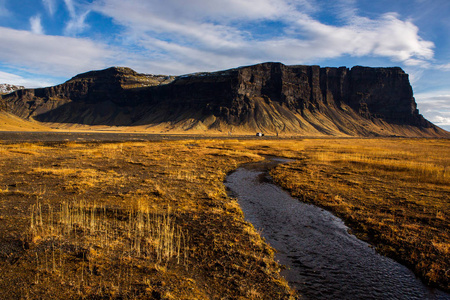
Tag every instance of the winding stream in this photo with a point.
(324, 261)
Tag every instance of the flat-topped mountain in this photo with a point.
(269, 97)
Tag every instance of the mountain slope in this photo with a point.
(6, 88)
(10, 122)
(269, 97)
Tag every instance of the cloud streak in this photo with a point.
(31, 82)
(209, 34)
(36, 26)
(435, 106)
(76, 24)
(70, 7)
(56, 55)
(50, 6)
(387, 36)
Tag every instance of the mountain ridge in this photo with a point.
(6, 88)
(268, 97)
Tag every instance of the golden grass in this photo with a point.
(103, 204)
(129, 220)
(392, 192)
(429, 163)
(141, 234)
(11, 122)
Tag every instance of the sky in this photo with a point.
(46, 42)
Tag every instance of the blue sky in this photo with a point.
(46, 42)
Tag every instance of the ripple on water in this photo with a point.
(324, 261)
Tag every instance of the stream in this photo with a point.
(323, 260)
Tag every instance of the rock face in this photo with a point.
(6, 88)
(269, 97)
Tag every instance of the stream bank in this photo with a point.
(323, 260)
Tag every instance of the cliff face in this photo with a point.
(91, 88)
(383, 93)
(267, 97)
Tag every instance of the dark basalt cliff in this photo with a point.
(268, 97)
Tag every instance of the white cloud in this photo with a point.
(36, 26)
(56, 55)
(214, 33)
(386, 37)
(28, 82)
(175, 38)
(444, 67)
(441, 120)
(70, 7)
(76, 24)
(50, 6)
(345, 9)
(222, 11)
(189, 59)
(435, 106)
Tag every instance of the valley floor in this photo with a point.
(151, 218)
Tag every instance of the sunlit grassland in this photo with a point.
(128, 220)
(392, 192)
(153, 219)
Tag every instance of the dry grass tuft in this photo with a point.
(129, 220)
(136, 233)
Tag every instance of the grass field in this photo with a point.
(137, 220)
(128, 220)
(392, 193)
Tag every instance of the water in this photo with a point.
(324, 261)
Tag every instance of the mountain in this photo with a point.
(6, 88)
(269, 97)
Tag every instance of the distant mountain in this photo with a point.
(6, 88)
(271, 97)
